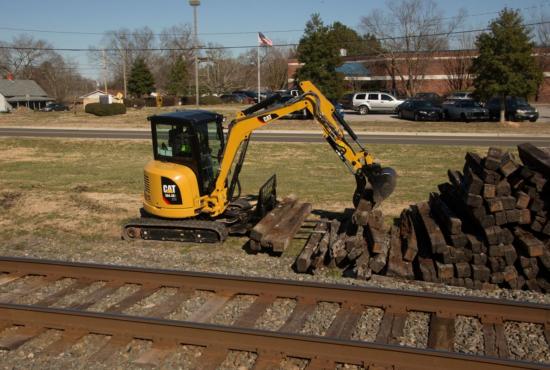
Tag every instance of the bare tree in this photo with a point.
(178, 43)
(541, 32)
(123, 47)
(23, 54)
(275, 68)
(407, 31)
(219, 71)
(457, 66)
(61, 80)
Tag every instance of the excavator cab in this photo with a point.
(187, 150)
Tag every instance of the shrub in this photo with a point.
(105, 109)
(210, 100)
(134, 103)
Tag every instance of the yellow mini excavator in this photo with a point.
(187, 192)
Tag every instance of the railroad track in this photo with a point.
(25, 279)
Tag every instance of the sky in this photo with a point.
(214, 16)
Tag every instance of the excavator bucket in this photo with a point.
(374, 184)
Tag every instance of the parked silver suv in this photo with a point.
(365, 102)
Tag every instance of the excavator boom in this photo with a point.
(374, 183)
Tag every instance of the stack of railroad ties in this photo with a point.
(488, 226)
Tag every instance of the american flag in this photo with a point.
(263, 40)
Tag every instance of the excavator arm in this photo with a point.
(374, 183)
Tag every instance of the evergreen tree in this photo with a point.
(355, 44)
(141, 80)
(505, 65)
(320, 53)
(177, 79)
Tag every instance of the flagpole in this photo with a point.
(258, 73)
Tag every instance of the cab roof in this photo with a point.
(194, 116)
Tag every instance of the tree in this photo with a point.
(458, 65)
(407, 31)
(141, 80)
(22, 55)
(178, 78)
(320, 53)
(506, 65)
(354, 44)
(123, 47)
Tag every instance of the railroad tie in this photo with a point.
(20, 337)
(343, 324)
(442, 332)
(320, 363)
(132, 299)
(166, 307)
(116, 343)
(97, 295)
(495, 340)
(391, 327)
(299, 315)
(210, 307)
(156, 354)
(8, 278)
(252, 314)
(212, 357)
(67, 340)
(75, 286)
(26, 290)
(267, 360)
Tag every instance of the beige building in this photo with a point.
(96, 97)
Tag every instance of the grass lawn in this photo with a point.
(137, 119)
(83, 190)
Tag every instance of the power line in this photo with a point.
(251, 46)
(545, 3)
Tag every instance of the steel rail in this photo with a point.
(326, 351)
(399, 301)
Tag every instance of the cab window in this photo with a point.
(373, 97)
(173, 141)
(386, 97)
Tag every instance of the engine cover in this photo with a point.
(170, 190)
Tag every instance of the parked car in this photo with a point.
(251, 94)
(236, 98)
(366, 102)
(459, 95)
(464, 110)
(55, 107)
(517, 109)
(300, 114)
(419, 110)
(433, 98)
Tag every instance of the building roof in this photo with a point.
(15, 90)
(94, 93)
(353, 69)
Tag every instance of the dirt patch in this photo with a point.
(21, 154)
(8, 199)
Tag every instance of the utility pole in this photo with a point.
(259, 75)
(105, 71)
(124, 73)
(195, 4)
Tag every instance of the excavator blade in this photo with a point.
(374, 185)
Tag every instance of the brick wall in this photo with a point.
(440, 69)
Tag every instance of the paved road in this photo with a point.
(297, 137)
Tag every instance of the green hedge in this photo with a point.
(105, 109)
(207, 100)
